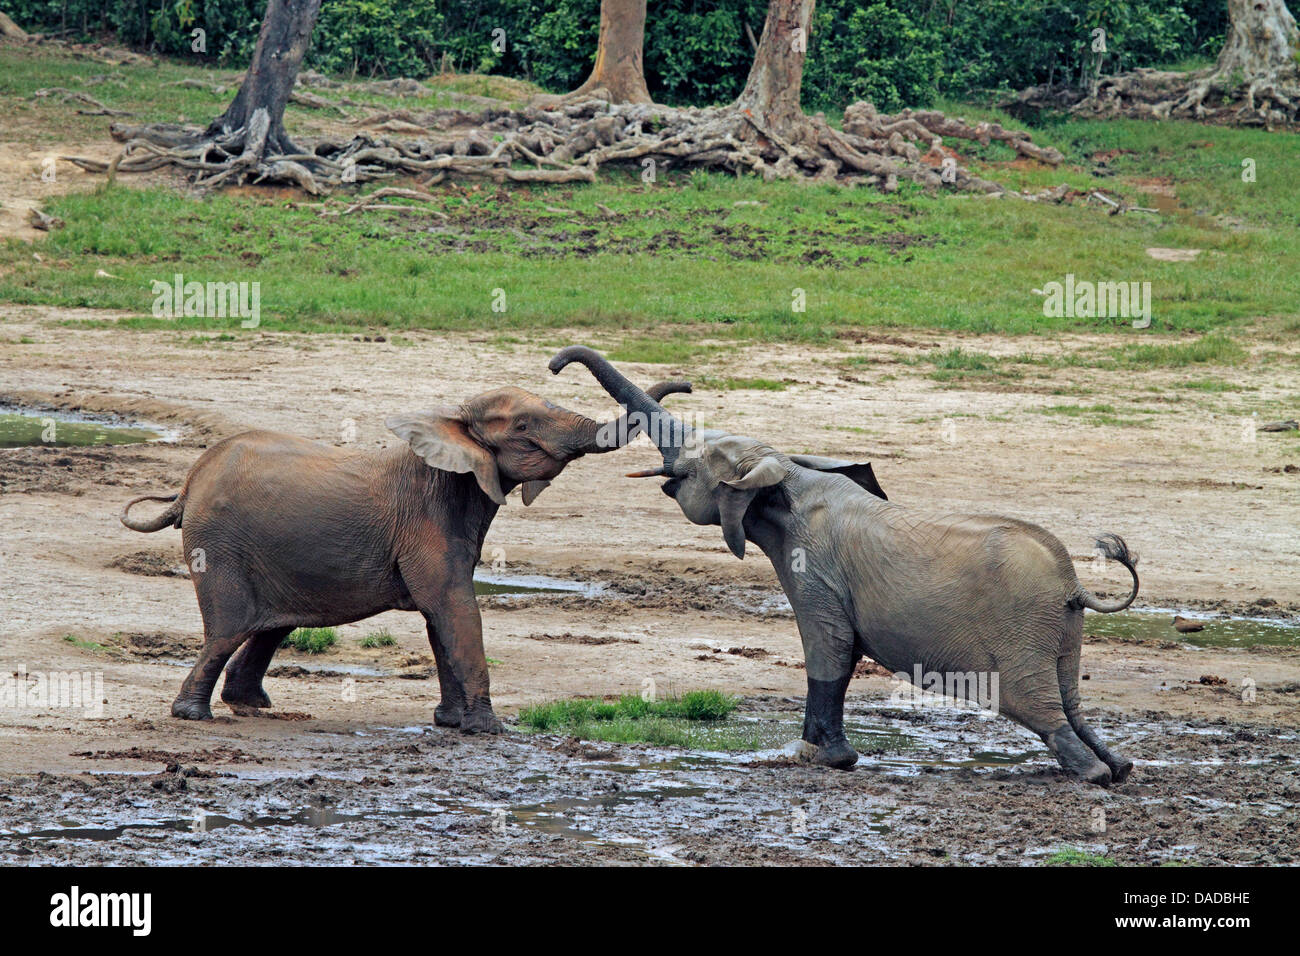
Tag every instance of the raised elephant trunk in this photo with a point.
(643, 408)
(593, 438)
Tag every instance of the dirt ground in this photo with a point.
(358, 772)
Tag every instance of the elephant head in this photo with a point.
(509, 437)
(713, 476)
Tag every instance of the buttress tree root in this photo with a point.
(572, 142)
(764, 132)
(1255, 81)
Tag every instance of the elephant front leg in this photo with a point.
(823, 723)
(459, 633)
(451, 705)
(828, 643)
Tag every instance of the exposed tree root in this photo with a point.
(571, 143)
(1255, 82)
(1271, 101)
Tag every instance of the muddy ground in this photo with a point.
(357, 772)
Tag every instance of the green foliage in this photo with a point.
(1069, 856)
(874, 53)
(378, 639)
(563, 715)
(311, 640)
(378, 37)
(893, 52)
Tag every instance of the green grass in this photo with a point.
(655, 351)
(679, 263)
(1099, 414)
(378, 639)
(693, 705)
(664, 722)
(740, 384)
(311, 640)
(83, 645)
(1072, 857)
(1214, 349)
(1210, 385)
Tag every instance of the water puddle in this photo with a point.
(895, 743)
(1156, 625)
(491, 583)
(23, 428)
(201, 822)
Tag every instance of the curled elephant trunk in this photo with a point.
(595, 438)
(643, 408)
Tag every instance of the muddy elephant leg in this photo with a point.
(828, 643)
(1034, 704)
(451, 706)
(194, 702)
(442, 587)
(1067, 670)
(248, 666)
(823, 723)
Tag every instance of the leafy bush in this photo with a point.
(894, 52)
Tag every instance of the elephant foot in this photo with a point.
(481, 721)
(247, 696)
(1076, 757)
(447, 716)
(1119, 772)
(187, 708)
(1098, 774)
(838, 754)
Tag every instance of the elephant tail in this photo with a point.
(170, 518)
(1112, 546)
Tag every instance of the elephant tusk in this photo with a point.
(659, 472)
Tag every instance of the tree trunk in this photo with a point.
(619, 71)
(771, 94)
(1262, 40)
(281, 45)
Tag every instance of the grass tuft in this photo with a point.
(1069, 856)
(311, 640)
(378, 639)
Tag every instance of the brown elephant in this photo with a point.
(281, 532)
(921, 592)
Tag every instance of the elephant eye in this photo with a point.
(521, 427)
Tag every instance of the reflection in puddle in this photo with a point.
(1155, 624)
(491, 583)
(21, 428)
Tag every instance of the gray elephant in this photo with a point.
(291, 533)
(916, 591)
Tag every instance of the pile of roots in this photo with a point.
(1210, 96)
(570, 141)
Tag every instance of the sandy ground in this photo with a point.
(1214, 517)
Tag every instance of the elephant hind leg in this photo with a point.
(1035, 706)
(248, 666)
(194, 702)
(1067, 671)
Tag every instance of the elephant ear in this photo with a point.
(859, 471)
(735, 494)
(440, 437)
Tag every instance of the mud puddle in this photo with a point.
(1218, 631)
(492, 583)
(25, 427)
(942, 786)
